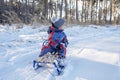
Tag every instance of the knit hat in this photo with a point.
(57, 22)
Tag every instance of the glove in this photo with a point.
(58, 47)
(51, 29)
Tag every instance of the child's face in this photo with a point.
(61, 28)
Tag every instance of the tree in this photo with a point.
(1, 10)
(45, 11)
(111, 11)
(92, 10)
(66, 9)
(61, 7)
(77, 10)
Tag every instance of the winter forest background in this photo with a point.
(73, 11)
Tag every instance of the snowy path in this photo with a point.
(93, 54)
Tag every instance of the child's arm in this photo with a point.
(65, 41)
(51, 29)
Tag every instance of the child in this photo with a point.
(57, 40)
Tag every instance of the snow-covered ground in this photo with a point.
(93, 53)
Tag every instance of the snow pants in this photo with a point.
(48, 48)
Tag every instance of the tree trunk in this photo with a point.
(51, 8)
(111, 12)
(99, 12)
(70, 8)
(91, 10)
(66, 11)
(96, 12)
(105, 12)
(56, 8)
(82, 11)
(45, 10)
(33, 7)
(87, 14)
(61, 7)
(85, 11)
(1, 11)
(77, 11)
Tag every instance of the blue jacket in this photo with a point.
(57, 37)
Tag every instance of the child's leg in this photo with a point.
(63, 51)
(62, 56)
(44, 50)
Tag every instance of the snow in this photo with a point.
(93, 53)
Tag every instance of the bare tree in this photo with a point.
(66, 9)
(91, 10)
(1, 10)
(46, 8)
(61, 8)
(77, 17)
(111, 11)
(105, 11)
(82, 15)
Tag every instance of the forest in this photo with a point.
(99, 12)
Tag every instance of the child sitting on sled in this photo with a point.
(57, 40)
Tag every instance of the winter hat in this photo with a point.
(57, 22)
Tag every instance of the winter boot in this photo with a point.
(61, 63)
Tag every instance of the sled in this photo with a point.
(48, 59)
